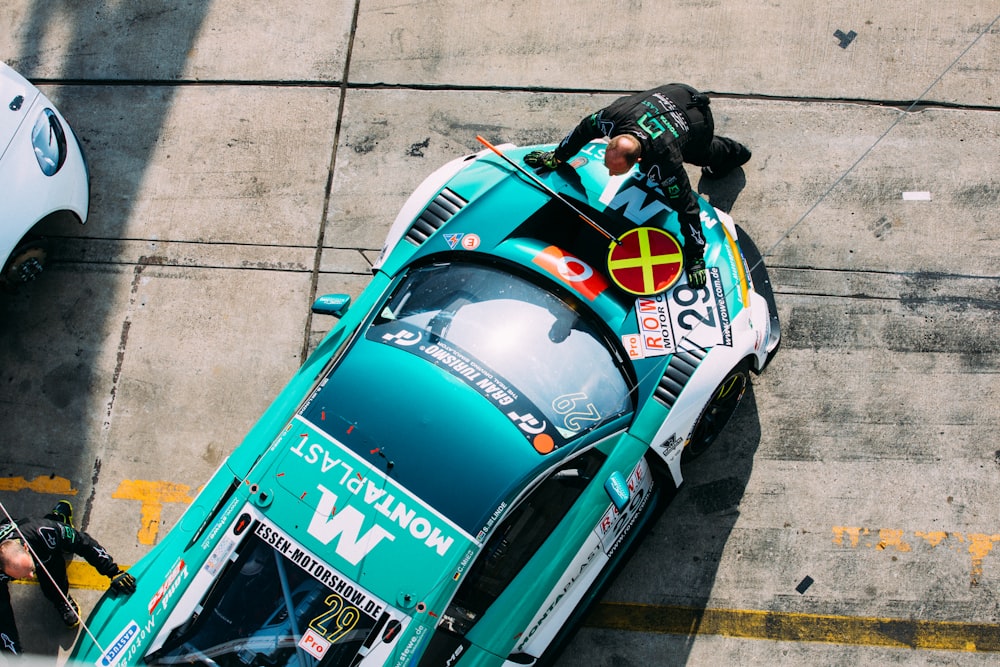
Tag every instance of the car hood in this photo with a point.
(17, 96)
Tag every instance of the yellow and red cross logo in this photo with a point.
(646, 261)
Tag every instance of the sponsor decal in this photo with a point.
(521, 411)
(683, 318)
(595, 150)
(497, 513)
(169, 586)
(671, 447)
(572, 271)
(646, 261)
(328, 524)
(345, 590)
(639, 202)
(633, 346)
(574, 576)
(219, 556)
(463, 241)
(464, 563)
(615, 524)
(114, 652)
(49, 536)
(403, 338)
(656, 333)
(314, 644)
(669, 109)
(349, 484)
(578, 412)
(408, 652)
(656, 124)
(222, 522)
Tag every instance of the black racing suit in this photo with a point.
(51, 541)
(673, 125)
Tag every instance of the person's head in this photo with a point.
(622, 153)
(15, 560)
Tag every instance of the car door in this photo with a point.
(509, 547)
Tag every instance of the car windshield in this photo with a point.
(527, 342)
(277, 607)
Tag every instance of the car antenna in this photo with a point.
(550, 191)
(388, 462)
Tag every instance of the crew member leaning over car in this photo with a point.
(50, 539)
(660, 129)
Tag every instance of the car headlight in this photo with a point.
(49, 141)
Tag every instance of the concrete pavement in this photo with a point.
(247, 157)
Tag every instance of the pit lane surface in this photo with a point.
(246, 158)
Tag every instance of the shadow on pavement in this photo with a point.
(675, 566)
(723, 192)
(50, 404)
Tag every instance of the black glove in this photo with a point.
(123, 582)
(546, 159)
(696, 273)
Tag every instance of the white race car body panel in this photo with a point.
(29, 195)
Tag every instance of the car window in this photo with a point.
(512, 544)
(268, 607)
(530, 342)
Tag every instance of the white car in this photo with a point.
(43, 174)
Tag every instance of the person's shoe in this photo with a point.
(70, 613)
(63, 511)
(741, 159)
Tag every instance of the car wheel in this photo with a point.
(723, 403)
(26, 262)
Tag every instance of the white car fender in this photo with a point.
(418, 200)
(676, 429)
(31, 194)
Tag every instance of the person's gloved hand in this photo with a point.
(696, 273)
(123, 582)
(545, 159)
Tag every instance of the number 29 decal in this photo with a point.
(339, 619)
(577, 411)
(681, 318)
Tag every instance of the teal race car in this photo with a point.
(464, 460)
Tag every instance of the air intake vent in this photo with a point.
(680, 369)
(434, 216)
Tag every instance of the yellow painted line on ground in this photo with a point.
(787, 626)
(80, 575)
(977, 545)
(58, 486)
(152, 495)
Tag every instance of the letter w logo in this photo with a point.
(345, 524)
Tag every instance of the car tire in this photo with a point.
(26, 262)
(725, 399)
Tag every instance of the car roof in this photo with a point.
(447, 445)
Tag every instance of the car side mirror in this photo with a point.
(332, 304)
(617, 489)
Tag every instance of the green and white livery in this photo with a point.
(464, 460)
